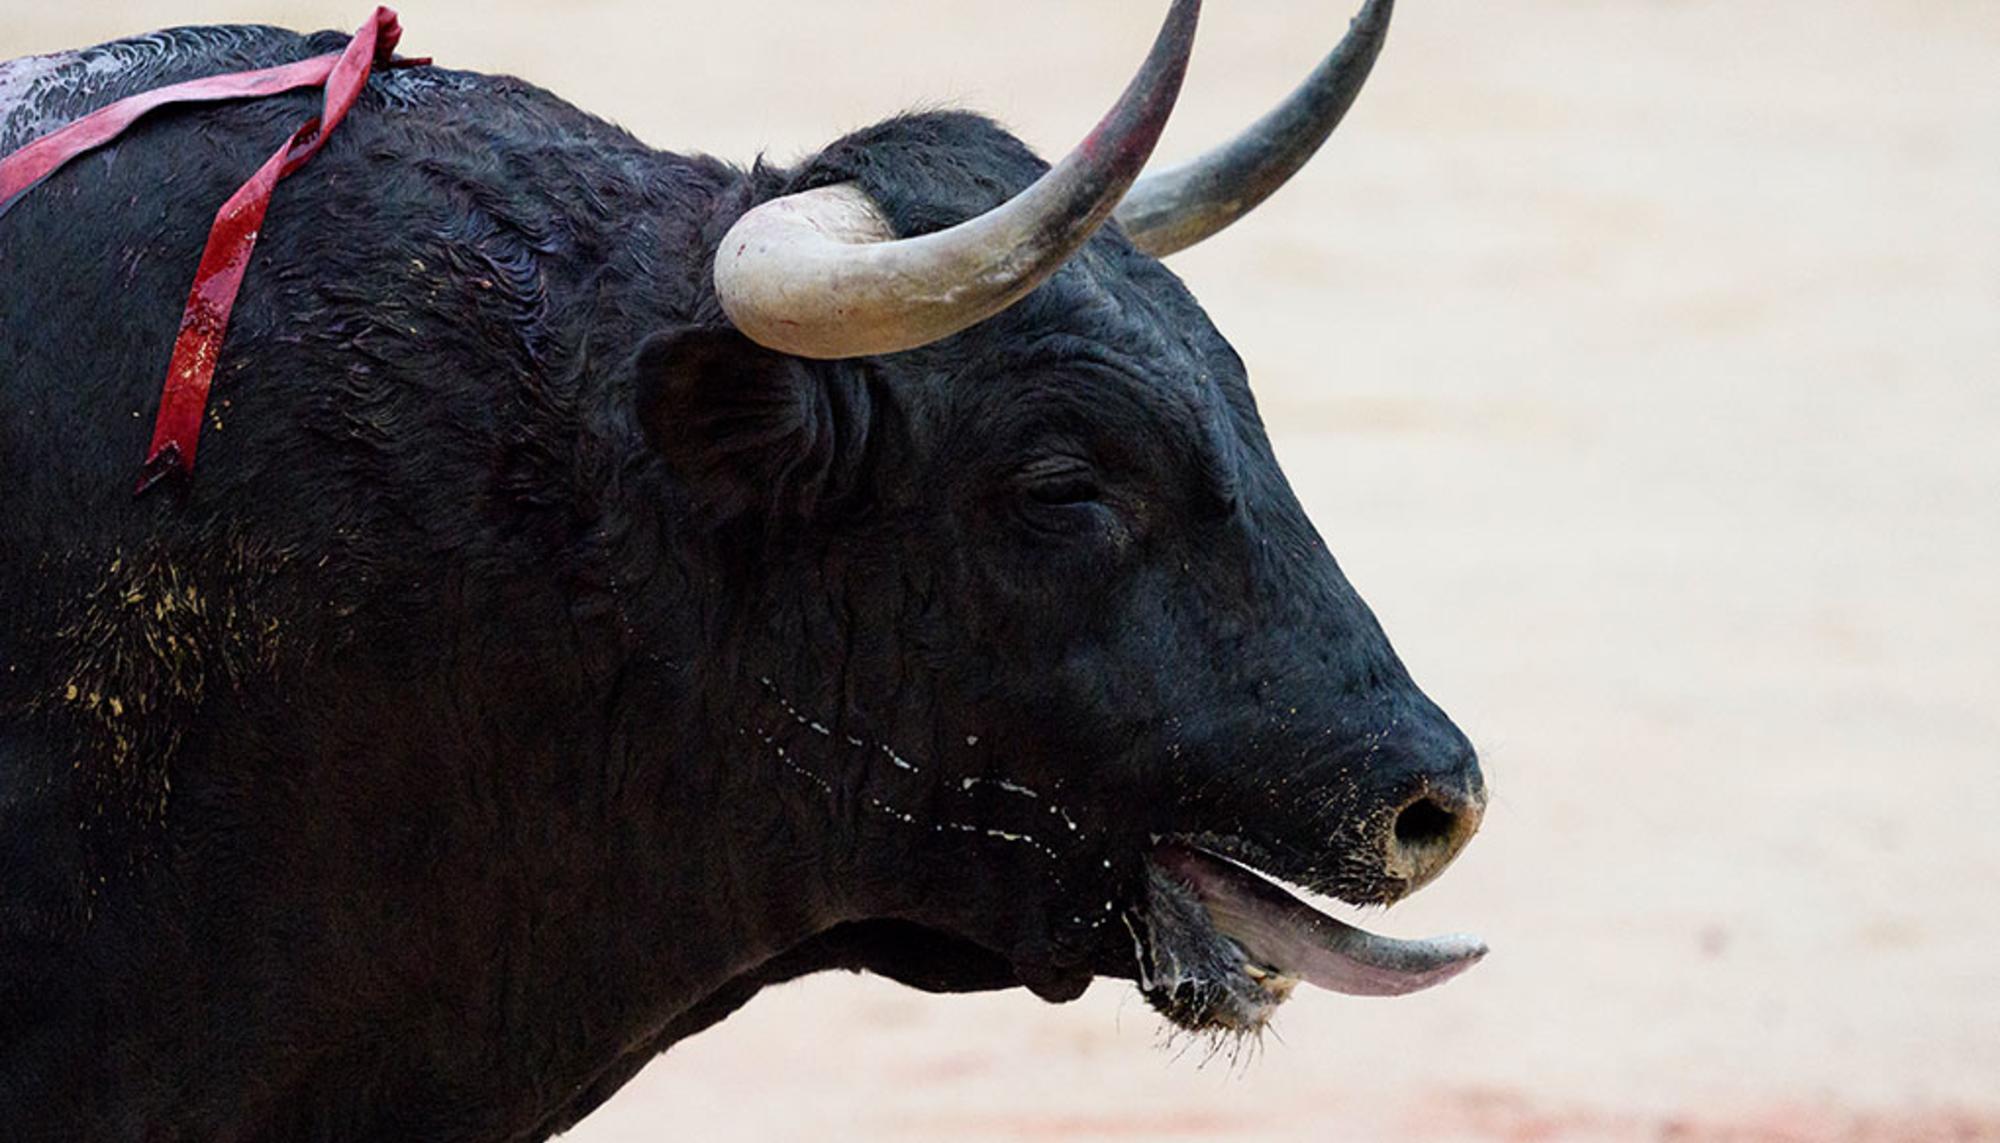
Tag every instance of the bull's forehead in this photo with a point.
(1112, 293)
(1113, 354)
(1118, 309)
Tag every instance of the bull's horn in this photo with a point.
(819, 273)
(1178, 207)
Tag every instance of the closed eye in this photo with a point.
(1061, 481)
(1057, 493)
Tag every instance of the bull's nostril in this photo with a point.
(1427, 833)
(1423, 823)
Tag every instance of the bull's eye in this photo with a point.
(1057, 493)
(1061, 496)
(1060, 482)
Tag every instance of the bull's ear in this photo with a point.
(748, 429)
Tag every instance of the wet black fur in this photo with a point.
(533, 670)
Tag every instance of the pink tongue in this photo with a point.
(1281, 932)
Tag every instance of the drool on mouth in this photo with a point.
(1223, 946)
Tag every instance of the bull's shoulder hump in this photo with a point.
(39, 94)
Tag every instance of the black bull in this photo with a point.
(537, 667)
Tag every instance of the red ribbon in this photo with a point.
(205, 320)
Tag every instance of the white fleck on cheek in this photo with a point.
(1000, 783)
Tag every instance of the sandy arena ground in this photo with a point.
(1641, 360)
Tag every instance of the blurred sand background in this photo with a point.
(1641, 361)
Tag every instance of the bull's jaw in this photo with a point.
(1189, 971)
(1219, 947)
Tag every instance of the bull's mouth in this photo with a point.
(1220, 946)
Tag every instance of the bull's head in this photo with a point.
(1026, 628)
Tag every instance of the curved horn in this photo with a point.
(1178, 207)
(820, 274)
